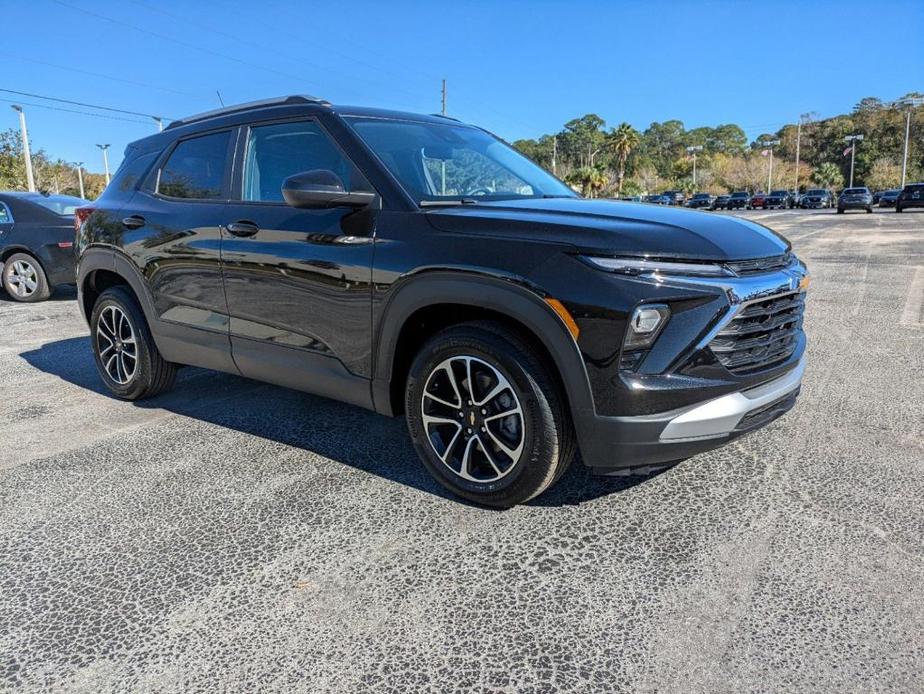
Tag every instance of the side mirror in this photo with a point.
(322, 188)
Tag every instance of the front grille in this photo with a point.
(762, 334)
(751, 267)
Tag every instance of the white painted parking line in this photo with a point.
(911, 315)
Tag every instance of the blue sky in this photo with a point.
(518, 68)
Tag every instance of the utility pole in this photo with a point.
(852, 139)
(160, 123)
(443, 162)
(26, 152)
(554, 155)
(693, 149)
(443, 111)
(770, 144)
(105, 149)
(909, 104)
(803, 119)
(79, 166)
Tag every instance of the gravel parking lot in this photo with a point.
(237, 536)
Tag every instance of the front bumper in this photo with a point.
(652, 440)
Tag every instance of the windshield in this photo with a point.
(816, 191)
(701, 196)
(59, 204)
(739, 195)
(779, 192)
(445, 162)
(855, 191)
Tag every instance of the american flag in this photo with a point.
(847, 151)
(765, 153)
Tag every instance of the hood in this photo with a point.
(610, 227)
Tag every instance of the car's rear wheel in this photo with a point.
(24, 279)
(898, 208)
(127, 359)
(487, 416)
(840, 210)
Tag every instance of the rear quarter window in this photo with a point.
(196, 168)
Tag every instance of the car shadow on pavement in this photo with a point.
(325, 427)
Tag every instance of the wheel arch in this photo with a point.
(101, 268)
(429, 303)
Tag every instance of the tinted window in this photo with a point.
(59, 204)
(131, 171)
(5, 217)
(275, 152)
(196, 168)
(855, 191)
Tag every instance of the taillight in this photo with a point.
(81, 214)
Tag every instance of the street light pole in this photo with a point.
(693, 149)
(909, 104)
(770, 144)
(803, 118)
(79, 165)
(105, 149)
(26, 152)
(852, 139)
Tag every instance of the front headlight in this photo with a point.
(639, 266)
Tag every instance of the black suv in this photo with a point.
(781, 199)
(413, 264)
(739, 200)
(911, 196)
(816, 198)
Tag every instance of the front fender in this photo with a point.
(518, 302)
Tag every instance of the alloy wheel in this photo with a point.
(23, 279)
(473, 419)
(115, 342)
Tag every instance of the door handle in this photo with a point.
(242, 228)
(134, 222)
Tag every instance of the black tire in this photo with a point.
(21, 267)
(840, 210)
(548, 443)
(152, 374)
(898, 208)
(869, 210)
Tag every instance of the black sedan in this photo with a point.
(887, 198)
(855, 199)
(658, 199)
(720, 203)
(781, 199)
(816, 198)
(701, 201)
(36, 243)
(739, 200)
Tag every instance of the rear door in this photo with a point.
(298, 281)
(171, 230)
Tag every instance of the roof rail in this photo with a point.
(443, 115)
(250, 105)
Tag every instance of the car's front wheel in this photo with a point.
(487, 416)
(24, 279)
(127, 359)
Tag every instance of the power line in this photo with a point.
(80, 103)
(97, 74)
(71, 110)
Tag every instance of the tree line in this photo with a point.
(620, 160)
(51, 175)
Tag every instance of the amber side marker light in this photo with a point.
(562, 312)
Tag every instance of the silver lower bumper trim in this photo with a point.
(720, 416)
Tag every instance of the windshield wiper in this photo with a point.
(447, 203)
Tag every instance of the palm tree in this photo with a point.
(590, 178)
(828, 175)
(622, 141)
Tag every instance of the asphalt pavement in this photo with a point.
(234, 536)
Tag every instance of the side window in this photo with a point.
(196, 168)
(275, 152)
(5, 216)
(131, 171)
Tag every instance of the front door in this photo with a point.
(297, 281)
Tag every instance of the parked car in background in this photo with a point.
(321, 248)
(720, 202)
(817, 198)
(701, 201)
(759, 200)
(676, 197)
(779, 199)
(855, 199)
(739, 200)
(876, 195)
(36, 243)
(911, 196)
(658, 199)
(631, 198)
(888, 198)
